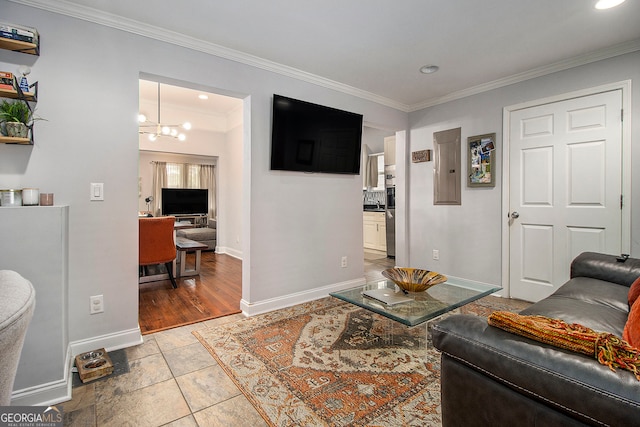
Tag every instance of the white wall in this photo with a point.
(469, 236)
(295, 227)
(230, 195)
(374, 138)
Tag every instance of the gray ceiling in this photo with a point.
(374, 48)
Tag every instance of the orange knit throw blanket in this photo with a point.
(607, 348)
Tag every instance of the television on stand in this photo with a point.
(185, 201)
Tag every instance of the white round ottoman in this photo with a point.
(17, 301)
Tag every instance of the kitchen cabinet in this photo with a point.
(374, 231)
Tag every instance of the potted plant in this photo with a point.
(16, 117)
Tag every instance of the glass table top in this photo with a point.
(423, 306)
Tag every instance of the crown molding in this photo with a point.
(73, 10)
(606, 53)
(84, 13)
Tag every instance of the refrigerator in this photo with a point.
(390, 209)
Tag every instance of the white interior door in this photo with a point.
(564, 188)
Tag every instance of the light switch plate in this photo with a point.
(97, 191)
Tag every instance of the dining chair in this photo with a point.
(156, 243)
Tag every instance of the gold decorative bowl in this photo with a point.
(413, 279)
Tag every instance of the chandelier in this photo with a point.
(154, 130)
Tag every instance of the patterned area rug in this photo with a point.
(330, 363)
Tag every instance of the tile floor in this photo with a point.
(173, 381)
(374, 263)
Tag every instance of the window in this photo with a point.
(183, 175)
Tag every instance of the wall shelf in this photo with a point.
(14, 94)
(12, 140)
(19, 46)
(28, 97)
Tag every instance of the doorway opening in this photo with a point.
(378, 200)
(214, 140)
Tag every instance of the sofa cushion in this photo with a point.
(595, 316)
(198, 234)
(634, 292)
(631, 332)
(604, 267)
(595, 291)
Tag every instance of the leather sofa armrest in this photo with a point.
(606, 267)
(558, 378)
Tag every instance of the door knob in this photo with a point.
(514, 215)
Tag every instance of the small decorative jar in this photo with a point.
(46, 199)
(30, 197)
(11, 197)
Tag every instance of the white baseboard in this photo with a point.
(43, 394)
(46, 394)
(259, 307)
(60, 391)
(229, 251)
(109, 342)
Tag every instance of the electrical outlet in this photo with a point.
(343, 263)
(97, 304)
(436, 254)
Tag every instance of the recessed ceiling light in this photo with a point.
(203, 96)
(429, 69)
(607, 4)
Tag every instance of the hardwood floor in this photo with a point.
(215, 293)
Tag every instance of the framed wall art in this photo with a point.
(421, 156)
(481, 170)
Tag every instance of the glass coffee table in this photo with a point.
(423, 306)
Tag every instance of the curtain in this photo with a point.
(373, 171)
(208, 181)
(370, 168)
(159, 181)
(365, 166)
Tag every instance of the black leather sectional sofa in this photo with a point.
(491, 377)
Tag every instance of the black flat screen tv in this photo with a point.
(185, 201)
(307, 137)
